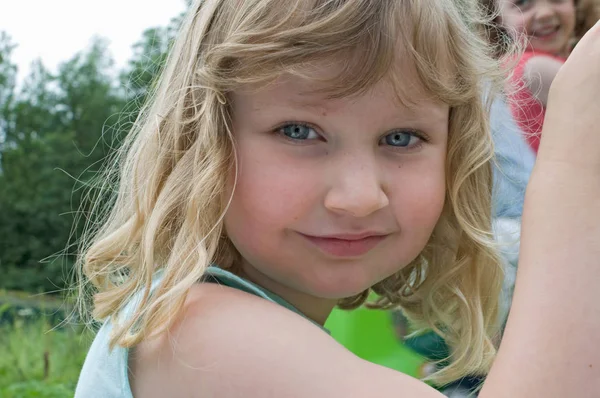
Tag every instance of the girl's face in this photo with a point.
(334, 195)
(548, 24)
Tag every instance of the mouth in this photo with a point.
(546, 32)
(346, 245)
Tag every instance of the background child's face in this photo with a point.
(334, 195)
(548, 24)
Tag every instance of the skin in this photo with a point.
(283, 355)
(548, 26)
(364, 164)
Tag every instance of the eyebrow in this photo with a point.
(305, 101)
(313, 106)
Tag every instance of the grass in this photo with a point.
(36, 358)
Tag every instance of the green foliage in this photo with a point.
(37, 359)
(8, 72)
(56, 131)
(149, 57)
(37, 389)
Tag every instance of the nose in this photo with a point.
(544, 11)
(357, 189)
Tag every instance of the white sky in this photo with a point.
(54, 30)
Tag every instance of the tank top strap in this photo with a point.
(221, 276)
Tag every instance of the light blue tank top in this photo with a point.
(514, 160)
(104, 373)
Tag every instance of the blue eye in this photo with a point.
(298, 131)
(401, 139)
(522, 3)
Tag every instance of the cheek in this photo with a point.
(266, 196)
(418, 199)
(568, 15)
(424, 202)
(514, 21)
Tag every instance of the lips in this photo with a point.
(546, 31)
(346, 245)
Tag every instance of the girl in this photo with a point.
(550, 28)
(298, 154)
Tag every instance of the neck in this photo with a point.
(315, 308)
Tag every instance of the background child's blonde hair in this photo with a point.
(170, 175)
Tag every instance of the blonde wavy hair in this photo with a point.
(169, 177)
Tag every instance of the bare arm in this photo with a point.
(550, 347)
(233, 345)
(539, 73)
(555, 318)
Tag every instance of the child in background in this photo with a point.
(297, 155)
(549, 28)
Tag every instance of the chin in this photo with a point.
(337, 287)
(338, 294)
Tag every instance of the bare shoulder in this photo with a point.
(228, 343)
(539, 72)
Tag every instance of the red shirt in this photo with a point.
(527, 111)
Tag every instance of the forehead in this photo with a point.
(311, 88)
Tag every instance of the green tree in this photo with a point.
(54, 134)
(89, 101)
(61, 128)
(34, 111)
(8, 71)
(149, 57)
